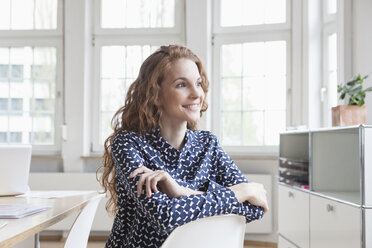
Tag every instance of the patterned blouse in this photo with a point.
(200, 165)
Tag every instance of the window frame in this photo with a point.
(125, 37)
(242, 34)
(44, 38)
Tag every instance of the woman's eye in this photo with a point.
(180, 85)
(199, 84)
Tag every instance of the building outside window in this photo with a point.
(30, 72)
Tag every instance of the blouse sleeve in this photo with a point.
(228, 174)
(161, 211)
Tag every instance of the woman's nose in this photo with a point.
(196, 92)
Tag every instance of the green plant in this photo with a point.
(354, 89)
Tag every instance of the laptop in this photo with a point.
(14, 169)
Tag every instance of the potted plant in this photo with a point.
(355, 112)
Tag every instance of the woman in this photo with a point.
(161, 171)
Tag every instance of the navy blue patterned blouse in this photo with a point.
(200, 165)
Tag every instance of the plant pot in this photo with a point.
(348, 115)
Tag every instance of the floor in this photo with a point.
(100, 244)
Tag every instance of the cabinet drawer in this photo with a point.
(283, 243)
(334, 224)
(294, 215)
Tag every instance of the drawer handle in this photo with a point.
(290, 194)
(330, 208)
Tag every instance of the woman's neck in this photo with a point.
(174, 135)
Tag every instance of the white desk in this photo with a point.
(18, 230)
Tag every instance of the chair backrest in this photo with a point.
(80, 230)
(216, 231)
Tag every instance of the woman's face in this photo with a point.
(181, 95)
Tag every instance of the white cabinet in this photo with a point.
(334, 224)
(335, 165)
(294, 215)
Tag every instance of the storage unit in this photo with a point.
(334, 205)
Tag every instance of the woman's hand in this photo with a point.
(254, 193)
(156, 181)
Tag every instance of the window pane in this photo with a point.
(232, 97)
(275, 92)
(3, 137)
(27, 94)
(137, 14)
(15, 137)
(45, 14)
(112, 14)
(253, 61)
(4, 15)
(253, 83)
(231, 12)
(253, 100)
(112, 94)
(332, 69)
(275, 58)
(231, 60)
(4, 121)
(22, 14)
(231, 128)
(42, 129)
(19, 124)
(252, 128)
(119, 68)
(275, 11)
(44, 64)
(3, 104)
(28, 14)
(106, 129)
(252, 12)
(331, 6)
(274, 124)
(4, 89)
(16, 104)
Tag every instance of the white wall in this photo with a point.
(362, 46)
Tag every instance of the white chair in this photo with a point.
(217, 232)
(79, 232)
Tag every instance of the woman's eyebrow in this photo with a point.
(185, 79)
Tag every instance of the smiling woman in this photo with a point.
(160, 170)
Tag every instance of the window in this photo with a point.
(126, 32)
(30, 60)
(119, 68)
(330, 58)
(28, 14)
(251, 51)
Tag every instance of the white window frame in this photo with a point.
(328, 29)
(44, 38)
(335, 23)
(241, 34)
(126, 37)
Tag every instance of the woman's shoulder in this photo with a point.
(204, 136)
(126, 137)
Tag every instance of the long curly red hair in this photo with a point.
(140, 113)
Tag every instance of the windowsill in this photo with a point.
(253, 152)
